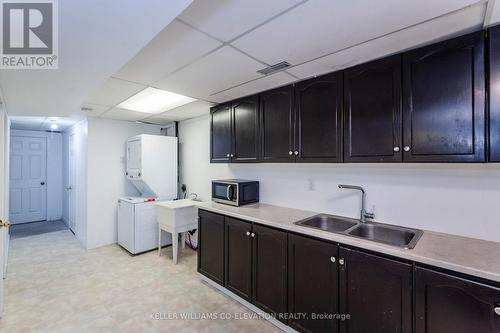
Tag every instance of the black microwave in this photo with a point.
(235, 192)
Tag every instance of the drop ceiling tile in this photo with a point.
(458, 23)
(191, 110)
(262, 84)
(319, 27)
(222, 69)
(175, 46)
(122, 114)
(114, 91)
(96, 111)
(493, 16)
(216, 16)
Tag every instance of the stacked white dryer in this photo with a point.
(152, 168)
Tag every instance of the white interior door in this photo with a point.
(71, 183)
(28, 172)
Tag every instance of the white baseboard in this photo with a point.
(250, 306)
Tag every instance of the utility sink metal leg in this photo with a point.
(175, 246)
(183, 239)
(159, 242)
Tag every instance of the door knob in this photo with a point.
(406, 148)
(497, 310)
(252, 234)
(290, 152)
(296, 153)
(332, 259)
(4, 224)
(396, 149)
(42, 183)
(341, 261)
(248, 233)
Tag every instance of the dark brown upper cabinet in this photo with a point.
(372, 112)
(313, 284)
(269, 269)
(211, 245)
(318, 105)
(494, 93)
(245, 130)
(445, 303)
(220, 133)
(277, 125)
(444, 101)
(235, 131)
(238, 258)
(376, 292)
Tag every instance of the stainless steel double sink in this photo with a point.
(373, 231)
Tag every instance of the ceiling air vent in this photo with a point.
(274, 68)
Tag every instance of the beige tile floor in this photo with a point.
(54, 285)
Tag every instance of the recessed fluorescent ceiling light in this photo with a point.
(152, 100)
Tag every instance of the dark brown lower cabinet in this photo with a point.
(269, 269)
(376, 292)
(211, 245)
(313, 284)
(445, 303)
(238, 258)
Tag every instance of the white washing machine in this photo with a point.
(137, 225)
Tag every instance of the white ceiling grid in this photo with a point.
(212, 51)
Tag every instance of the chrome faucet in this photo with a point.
(364, 213)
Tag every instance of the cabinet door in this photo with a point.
(494, 93)
(318, 104)
(277, 125)
(220, 133)
(245, 130)
(313, 283)
(238, 255)
(376, 292)
(444, 303)
(444, 102)
(372, 112)
(211, 246)
(269, 269)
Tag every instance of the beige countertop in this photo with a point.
(471, 256)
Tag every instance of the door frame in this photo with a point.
(71, 195)
(4, 200)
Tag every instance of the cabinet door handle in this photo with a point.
(406, 148)
(227, 192)
(497, 310)
(248, 233)
(232, 155)
(396, 149)
(227, 155)
(332, 259)
(341, 261)
(296, 153)
(252, 234)
(290, 153)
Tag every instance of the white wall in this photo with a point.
(462, 199)
(106, 175)
(54, 171)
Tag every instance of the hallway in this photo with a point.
(54, 285)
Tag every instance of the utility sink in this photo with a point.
(376, 232)
(328, 222)
(387, 234)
